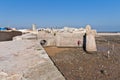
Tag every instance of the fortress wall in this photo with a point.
(26, 60)
(49, 37)
(8, 35)
(69, 40)
(62, 39)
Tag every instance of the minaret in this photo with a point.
(34, 27)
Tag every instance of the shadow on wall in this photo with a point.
(8, 35)
(84, 42)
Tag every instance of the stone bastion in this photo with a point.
(69, 38)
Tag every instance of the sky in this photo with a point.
(103, 15)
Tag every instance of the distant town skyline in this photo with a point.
(103, 15)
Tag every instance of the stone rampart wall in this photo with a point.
(8, 35)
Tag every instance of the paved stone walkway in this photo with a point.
(26, 60)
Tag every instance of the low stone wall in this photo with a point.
(8, 35)
(62, 39)
(69, 40)
(107, 34)
(49, 37)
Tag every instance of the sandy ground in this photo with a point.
(76, 64)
